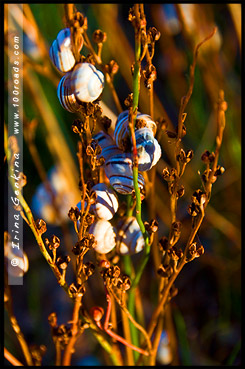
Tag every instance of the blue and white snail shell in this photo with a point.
(104, 234)
(148, 149)
(106, 203)
(67, 99)
(87, 82)
(61, 53)
(129, 236)
(119, 170)
(107, 144)
(121, 132)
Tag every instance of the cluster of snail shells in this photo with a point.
(82, 81)
(148, 148)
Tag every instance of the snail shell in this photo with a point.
(106, 204)
(11, 253)
(107, 144)
(104, 234)
(148, 149)
(61, 53)
(87, 82)
(67, 99)
(121, 132)
(129, 236)
(119, 170)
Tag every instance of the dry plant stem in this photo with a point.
(122, 305)
(186, 98)
(107, 75)
(118, 338)
(58, 353)
(11, 358)
(74, 331)
(127, 335)
(222, 106)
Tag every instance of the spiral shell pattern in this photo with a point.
(119, 170)
(66, 98)
(148, 149)
(107, 144)
(61, 53)
(121, 132)
(104, 234)
(129, 236)
(106, 204)
(87, 82)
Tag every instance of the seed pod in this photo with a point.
(148, 149)
(61, 53)
(119, 170)
(67, 99)
(129, 236)
(104, 235)
(87, 82)
(121, 133)
(106, 204)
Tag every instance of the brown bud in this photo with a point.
(99, 36)
(88, 269)
(97, 312)
(63, 261)
(55, 242)
(41, 226)
(180, 191)
(74, 214)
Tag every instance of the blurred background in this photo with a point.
(205, 317)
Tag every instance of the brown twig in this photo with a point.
(11, 358)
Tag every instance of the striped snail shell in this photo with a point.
(129, 236)
(107, 144)
(104, 234)
(67, 99)
(119, 170)
(87, 82)
(121, 132)
(148, 149)
(61, 52)
(106, 204)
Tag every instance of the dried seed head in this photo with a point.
(22, 180)
(207, 157)
(153, 34)
(88, 269)
(74, 214)
(193, 209)
(41, 226)
(151, 227)
(128, 102)
(99, 36)
(180, 191)
(87, 242)
(166, 174)
(165, 271)
(219, 171)
(63, 261)
(54, 242)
